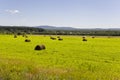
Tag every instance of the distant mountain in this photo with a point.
(56, 28)
(116, 29)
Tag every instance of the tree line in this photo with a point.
(19, 30)
(39, 31)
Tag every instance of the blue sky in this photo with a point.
(68, 13)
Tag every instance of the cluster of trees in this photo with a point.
(39, 31)
(83, 32)
(19, 30)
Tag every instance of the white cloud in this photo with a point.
(13, 11)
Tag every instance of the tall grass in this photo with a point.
(70, 59)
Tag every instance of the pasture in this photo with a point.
(70, 59)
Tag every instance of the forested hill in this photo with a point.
(19, 29)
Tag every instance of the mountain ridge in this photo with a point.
(71, 28)
(56, 28)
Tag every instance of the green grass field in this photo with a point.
(70, 59)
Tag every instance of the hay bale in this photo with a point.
(84, 39)
(15, 36)
(23, 35)
(39, 47)
(60, 39)
(27, 40)
(93, 37)
(58, 36)
(42, 46)
(26, 36)
(52, 38)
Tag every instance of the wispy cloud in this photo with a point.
(12, 11)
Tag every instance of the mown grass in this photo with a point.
(70, 59)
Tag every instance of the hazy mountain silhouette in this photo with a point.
(56, 28)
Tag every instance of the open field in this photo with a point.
(70, 59)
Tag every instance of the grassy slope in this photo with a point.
(96, 59)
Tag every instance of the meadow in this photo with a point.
(70, 59)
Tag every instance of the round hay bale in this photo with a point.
(93, 37)
(26, 36)
(84, 39)
(23, 35)
(60, 39)
(58, 36)
(52, 38)
(27, 40)
(15, 36)
(40, 47)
